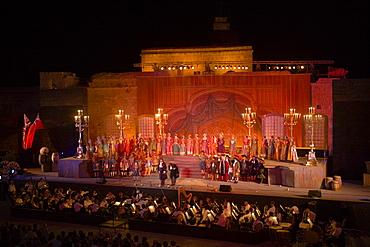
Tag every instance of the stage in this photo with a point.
(291, 174)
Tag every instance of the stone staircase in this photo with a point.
(188, 165)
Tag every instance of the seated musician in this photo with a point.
(179, 215)
(95, 207)
(331, 228)
(221, 221)
(271, 220)
(334, 237)
(78, 207)
(308, 216)
(246, 220)
(257, 224)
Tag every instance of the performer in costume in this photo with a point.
(271, 148)
(189, 145)
(120, 146)
(174, 173)
(213, 145)
(159, 144)
(152, 144)
(223, 167)
(221, 144)
(244, 165)
(293, 150)
(264, 147)
(278, 148)
(202, 163)
(284, 148)
(232, 146)
(246, 146)
(127, 145)
(254, 168)
(164, 144)
(169, 144)
(99, 148)
(196, 142)
(254, 145)
(105, 146)
(205, 144)
(162, 170)
(182, 146)
(176, 145)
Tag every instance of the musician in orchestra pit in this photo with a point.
(246, 206)
(271, 220)
(334, 237)
(271, 209)
(294, 228)
(256, 223)
(308, 216)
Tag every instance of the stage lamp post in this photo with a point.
(310, 119)
(291, 119)
(122, 121)
(81, 122)
(249, 118)
(161, 120)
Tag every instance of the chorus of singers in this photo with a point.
(140, 154)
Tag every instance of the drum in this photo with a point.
(311, 237)
(283, 236)
(339, 179)
(285, 224)
(328, 181)
(335, 185)
(304, 225)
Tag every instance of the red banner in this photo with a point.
(29, 131)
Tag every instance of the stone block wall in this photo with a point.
(57, 80)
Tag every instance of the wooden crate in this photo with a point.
(366, 179)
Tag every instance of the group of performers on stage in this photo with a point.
(139, 156)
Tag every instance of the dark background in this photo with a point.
(88, 37)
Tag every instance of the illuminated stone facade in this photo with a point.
(197, 60)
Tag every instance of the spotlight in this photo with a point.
(192, 67)
(293, 67)
(290, 67)
(227, 67)
(302, 67)
(239, 67)
(269, 67)
(242, 67)
(184, 67)
(180, 67)
(246, 67)
(215, 67)
(162, 68)
(281, 67)
(234, 67)
(169, 68)
(223, 67)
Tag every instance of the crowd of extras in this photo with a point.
(40, 236)
(188, 210)
(141, 155)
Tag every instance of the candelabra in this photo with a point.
(122, 121)
(249, 118)
(161, 120)
(291, 119)
(310, 119)
(81, 122)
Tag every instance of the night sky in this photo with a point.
(88, 37)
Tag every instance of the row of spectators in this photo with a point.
(35, 236)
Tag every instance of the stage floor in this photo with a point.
(350, 190)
